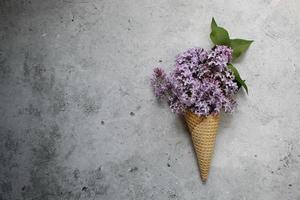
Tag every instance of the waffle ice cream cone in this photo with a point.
(203, 131)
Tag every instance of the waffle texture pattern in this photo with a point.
(203, 131)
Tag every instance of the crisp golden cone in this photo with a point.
(203, 131)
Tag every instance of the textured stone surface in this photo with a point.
(78, 119)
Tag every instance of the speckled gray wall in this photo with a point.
(78, 119)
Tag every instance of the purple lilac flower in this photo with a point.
(201, 82)
(159, 82)
(220, 57)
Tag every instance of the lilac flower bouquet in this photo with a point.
(202, 84)
(203, 81)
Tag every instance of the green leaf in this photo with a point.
(238, 78)
(219, 35)
(239, 46)
(213, 24)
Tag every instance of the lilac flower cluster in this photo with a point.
(201, 82)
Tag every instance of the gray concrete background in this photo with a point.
(79, 119)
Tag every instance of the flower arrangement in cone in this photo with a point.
(202, 84)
